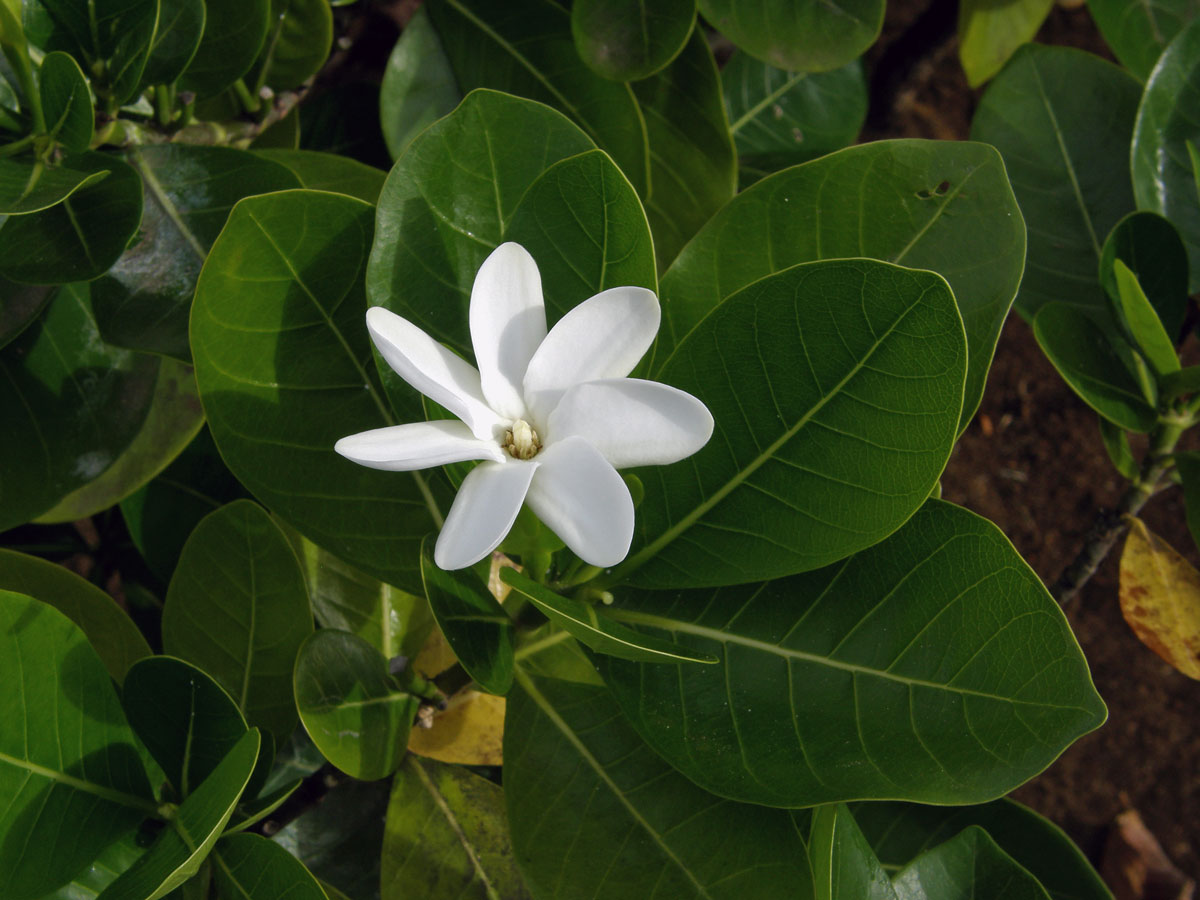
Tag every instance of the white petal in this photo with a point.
(484, 510)
(421, 445)
(584, 501)
(632, 422)
(602, 337)
(433, 370)
(508, 322)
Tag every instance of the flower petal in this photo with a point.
(421, 445)
(632, 422)
(602, 337)
(484, 510)
(584, 501)
(433, 370)
(508, 322)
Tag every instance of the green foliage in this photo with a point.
(630, 40)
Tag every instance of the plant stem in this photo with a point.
(15, 147)
(162, 104)
(250, 102)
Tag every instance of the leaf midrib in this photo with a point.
(88, 787)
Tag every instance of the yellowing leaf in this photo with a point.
(469, 731)
(1160, 599)
(435, 656)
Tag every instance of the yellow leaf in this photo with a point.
(469, 731)
(435, 656)
(1160, 599)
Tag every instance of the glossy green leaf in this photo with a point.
(82, 236)
(932, 205)
(296, 45)
(418, 84)
(798, 35)
(186, 720)
(1137, 31)
(809, 462)
(476, 628)
(237, 608)
(550, 652)
(20, 305)
(27, 186)
(524, 47)
(67, 757)
(1116, 444)
(899, 832)
(176, 40)
(284, 368)
(172, 420)
(144, 300)
(446, 837)
(630, 40)
(1141, 320)
(595, 629)
(1087, 359)
(350, 706)
(72, 404)
(234, 32)
(693, 167)
(249, 867)
(1153, 250)
(104, 869)
(843, 863)
(967, 867)
(989, 33)
(189, 837)
(1169, 117)
(328, 172)
(594, 812)
(344, 119)
(892, 674)
(107, 627)
(1062, 119)
(66, 101)
(780, 119)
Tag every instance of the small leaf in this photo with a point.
(989, 33)
(1153, 250)
(252, 812)
(20, 305)
(249, 867)
(843, 863)
(1141, 319)
(329, 172)
(176, 40)
(418, 84)
(596, 630)
(1188, 467)
(629, 40)
(469, 731)
(1137, 32)
(234, 32)
(66, 102)
(350, 706)
(1160, 598)
(1116, 444)
(967, 867)
(296, 45)
(27, 186)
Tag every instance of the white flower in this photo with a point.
(551, 415)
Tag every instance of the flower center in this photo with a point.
(521, 441)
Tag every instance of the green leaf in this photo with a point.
(1141, 320)
(447, 836)
(27, 186)
(20, 305)
(595, 813)
(1169, 117)
(282, 134)
(82, 236)
(106, 626)
(779, 119)
(237, 608)
(176, 40)
(1137, 31)
(1153, 250)
(524, 47)
(284, 368)
(693, 167)
(186, 720)
(253, 812)
(143, 301)
(1091, 364)
(189, 837)
(66, 101)
(932, 205)
(843, 863)
(67, 757)
(344, 119)
(297, 43)
(989, 33)
(249, 867)
(595, 629)
(1062, 119)
(967, 867)
(899, 832)
(550, 652)
(476, 628)
(104, 869)
(1188, 465)
(809, 461)
(895, 673)
(1116, 444)
(329, 172)
(72, 404)
(234, 32)
(173, 419)
(630, 40)
(798, 35)
(418, 84)
(350, 706)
